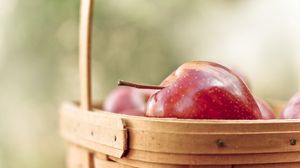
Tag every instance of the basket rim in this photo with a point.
(205, 121)
(150, 139)
(192, 121)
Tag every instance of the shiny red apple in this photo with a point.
(242, 76)
(127, 100)
(265, 109)
(292, 110)
(203, 90)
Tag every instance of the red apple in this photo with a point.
(127, 100)
(203, 90)
(242, 76)
(292, 110)
(265, 109)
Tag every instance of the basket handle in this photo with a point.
(85, 43)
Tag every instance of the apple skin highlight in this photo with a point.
(292, 110)
(127, 100)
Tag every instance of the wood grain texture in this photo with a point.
(109, 164)
(206, 143)
(136, 163)
(93, 131)
(181, 142)
(215, 159)
(280, 165)
(101, 161)
(78, 157)
(85, 44)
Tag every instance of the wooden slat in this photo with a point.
(101, 162)
(93, 131)
(109, 164)
(129, 162)
(182, 142)
(85, 43)
(205, 143)
(280, 165)
(102, 134)
(78, 157)
(86, 12)
(216, 159)
(199, 137)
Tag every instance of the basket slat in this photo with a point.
(136, 163)
(283, 165)
(100, 163)
(181, 142)
(107, 135)
(205, 143)
(225, 159)
(78, 157)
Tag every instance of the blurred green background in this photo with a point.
(137, 40)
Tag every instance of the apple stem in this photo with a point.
(139, 86)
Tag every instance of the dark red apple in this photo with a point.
(265, 109)
(203, 90)
(292, 110)
(127, 100)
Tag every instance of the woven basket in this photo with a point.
(100, 139)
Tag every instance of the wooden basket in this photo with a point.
(100, 139)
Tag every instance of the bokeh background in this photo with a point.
(137, 40)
